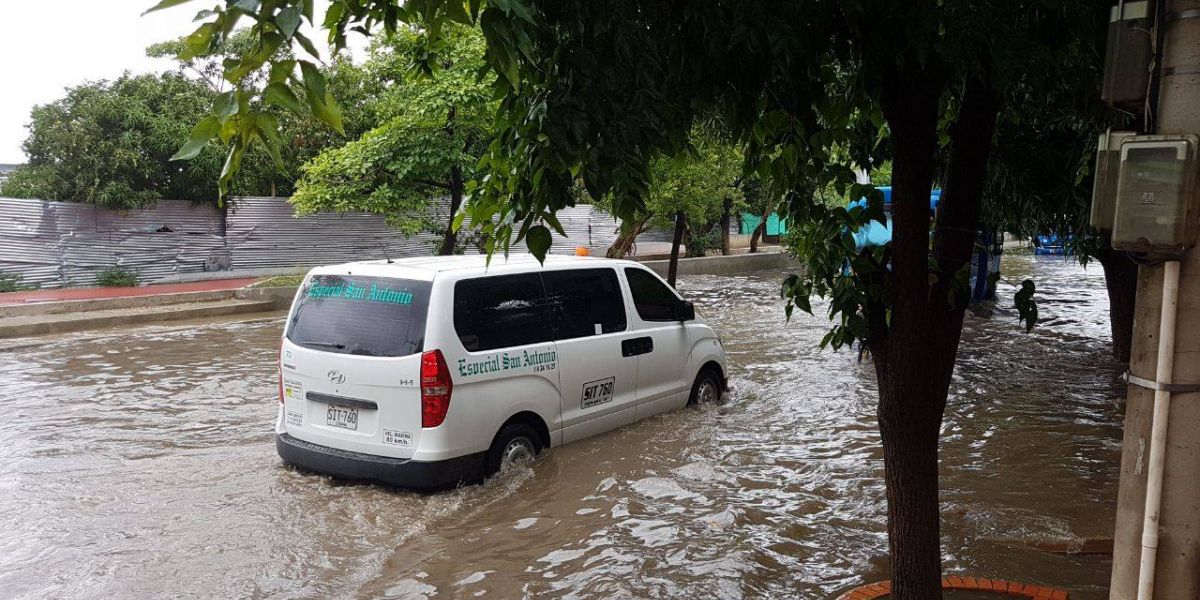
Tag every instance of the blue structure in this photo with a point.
(987, 256)
(1051, 244)
(875, 233)
(775, 225)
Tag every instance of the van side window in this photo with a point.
(584, 302)
(501, 311)
(652, 298)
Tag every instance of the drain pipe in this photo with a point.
(1158, 428)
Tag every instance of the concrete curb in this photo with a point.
(1001, 587)
(726, 265)
(281, 296)
(63, 323)
(79, 306)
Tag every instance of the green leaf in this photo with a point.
(249, 6)
(288, 21)
(282, 70)
(457, 11)
(201, 134)
(538, 239)
(164, 4)
(789, 283)
(314, 80)
(803, 301)
(306, 44)
(198, 42)
(281, 95)
(225, 105)
(319, 99)
(553, 221)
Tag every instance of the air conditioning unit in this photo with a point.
(1128, 56)
(1104, 187)
(1156, 195)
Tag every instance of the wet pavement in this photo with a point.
(140, 464)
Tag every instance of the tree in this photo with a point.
(687, 192)
(109, 143)
(597, 89)
(435, 127)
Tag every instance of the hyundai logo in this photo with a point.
(337, 377)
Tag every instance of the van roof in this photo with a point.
(426, 267)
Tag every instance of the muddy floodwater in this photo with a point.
(140, 463)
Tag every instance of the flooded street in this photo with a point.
(140, 464)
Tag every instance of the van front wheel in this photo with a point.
(706, 389)
(515, 444)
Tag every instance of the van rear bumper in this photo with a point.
(400, 472)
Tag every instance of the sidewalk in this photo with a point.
(98, 293)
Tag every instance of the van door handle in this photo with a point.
(636, 346)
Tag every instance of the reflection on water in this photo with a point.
(141, 464)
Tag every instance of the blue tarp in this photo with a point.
(876, 234)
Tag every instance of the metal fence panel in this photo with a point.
(53, 244)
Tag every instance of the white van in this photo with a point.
(428, 373)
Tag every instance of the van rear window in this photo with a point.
(366, 316)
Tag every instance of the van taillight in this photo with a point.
(436, 387)
(279, 368)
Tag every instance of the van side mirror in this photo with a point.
(685, 311)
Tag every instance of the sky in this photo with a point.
(48, 45)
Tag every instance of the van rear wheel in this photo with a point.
(515, 444)
(706, 389)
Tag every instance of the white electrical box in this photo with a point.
(1156, 195)
(1104, 187)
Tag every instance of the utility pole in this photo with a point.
(1174, 545)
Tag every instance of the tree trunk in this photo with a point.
(680, 224)
(726, 209)
(456, 198)
(908, 410)
(761, 229)
(627, 236)
(915, 354)
(1120, 278)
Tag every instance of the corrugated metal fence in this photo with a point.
(55, 244)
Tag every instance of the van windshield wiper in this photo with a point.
(333, 345)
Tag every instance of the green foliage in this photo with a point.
(108, 143)
(117, 276)
(804, 89)
(434, 128)
(11, 282)
(853, 279)
(113, 143)
(696, 183)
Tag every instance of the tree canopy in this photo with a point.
(109, 143)
(434, 127)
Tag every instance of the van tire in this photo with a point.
(513, 440)
(706, 389)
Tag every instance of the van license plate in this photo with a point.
(345, 417)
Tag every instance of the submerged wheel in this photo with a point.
(515, 444)
(706, 389)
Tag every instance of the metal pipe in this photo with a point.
(1158, 429)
